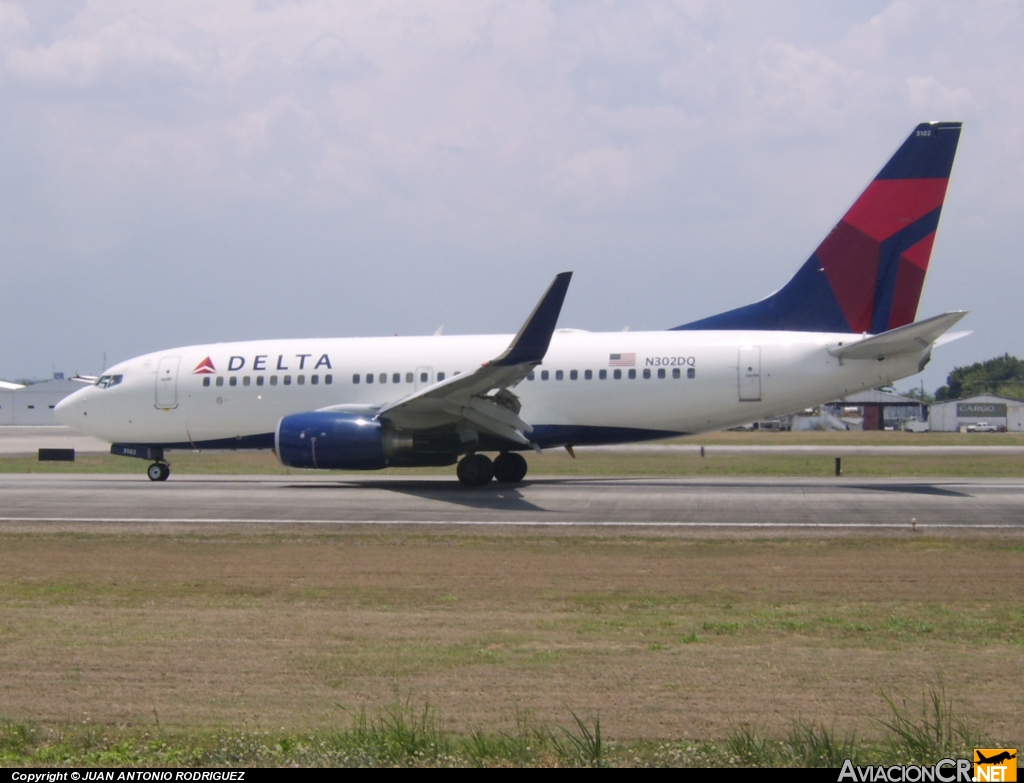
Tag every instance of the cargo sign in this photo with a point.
(976, 409)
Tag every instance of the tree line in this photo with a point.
(1002, 376)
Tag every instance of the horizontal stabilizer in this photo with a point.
(911, 338)
(949, 337)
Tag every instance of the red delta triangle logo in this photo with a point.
(205, 367)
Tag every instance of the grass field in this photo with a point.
(278, 645)
(198, 637)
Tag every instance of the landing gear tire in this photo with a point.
(475, 470)
(159, 471)
(509, 468)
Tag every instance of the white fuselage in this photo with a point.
(712, 380)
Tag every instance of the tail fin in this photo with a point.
(867, 275)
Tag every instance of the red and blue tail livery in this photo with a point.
(867, 275)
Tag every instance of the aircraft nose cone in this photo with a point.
(67, 409)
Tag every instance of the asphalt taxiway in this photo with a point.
(754, 503)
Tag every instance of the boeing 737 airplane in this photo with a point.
(842, 324)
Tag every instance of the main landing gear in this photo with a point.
(477, 470)
(158, 471)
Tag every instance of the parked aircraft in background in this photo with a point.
(844, 323)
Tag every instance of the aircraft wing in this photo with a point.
(482, 399)
(906, 339)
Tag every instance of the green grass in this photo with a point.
(286, 623)
(914, 734)
(407, 734)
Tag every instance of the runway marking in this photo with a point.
(513, 523)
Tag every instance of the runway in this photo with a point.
(727, 503)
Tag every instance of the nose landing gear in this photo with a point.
(158, 471)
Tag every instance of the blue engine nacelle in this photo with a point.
(331, 440)
(349, 441)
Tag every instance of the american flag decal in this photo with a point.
(622, 360)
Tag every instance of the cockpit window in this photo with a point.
(106, 381)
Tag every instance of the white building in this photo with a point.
(34, 404)
(1000, 412)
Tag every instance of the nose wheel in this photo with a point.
(159, 471)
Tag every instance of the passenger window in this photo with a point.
(259, 380)
(558, 375)
(408, 377)
(300, 379)
(544, 375)
(661, 372)
(287, 380)
(602, 375)
(206, 381)
(246, 380)
(573, 375)
(233, 381)
(273, 380)
(617, 375)
(691, 373)
(369, 377)
(440, 376)
(314, 379)
(588, 375)
(675, 372)
(647, 373)
(632, 375)
(396, 378)
(383, 377)
(530, 377)
(220, 380)
(328, 379)
(423, 377)
(355, 378)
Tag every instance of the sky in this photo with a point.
(191, 172)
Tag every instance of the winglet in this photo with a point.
(530, 345)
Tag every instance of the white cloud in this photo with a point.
(536, 132)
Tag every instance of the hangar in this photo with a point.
(881, 409)
(34, 404)
(957, 415)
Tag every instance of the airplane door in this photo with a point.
(167, 382)
(424, 377)
(750, 374)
